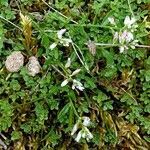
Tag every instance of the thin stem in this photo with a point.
(129, 95)
(11, 23)
(106, 44)
(58, 12)
(74, 47)
(143, 46)
(116, 45)
(54, 67)
(130, 8)
(73, 107)
(77, 54)
(59, 71)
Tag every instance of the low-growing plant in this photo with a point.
(74, 74)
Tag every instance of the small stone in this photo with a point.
(14, 61)
(33, 66)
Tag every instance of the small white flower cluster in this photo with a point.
(15, 61)
(76, 84)
(125, 37)
(63, 41)
(82, 124)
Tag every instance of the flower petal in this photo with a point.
(60, 33)
(79, 135)
(65, 82)
(76, 72)
(52, 46)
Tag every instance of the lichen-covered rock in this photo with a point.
(33, 66)
(14, 61)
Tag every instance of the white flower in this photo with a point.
(111, 20)
(52, 46)
(65, 41)
(33, 66)
(133, 44)
(88, 134)
(75, 128)
(129, 21)
(78, 85)
(84, 132)
(86, 121)
(123, 48)
(14, 61)
(79, 135)
(116, 36)
(75, 72)
(129, 37)
(65, 82)
(60, 33)
(68, 64)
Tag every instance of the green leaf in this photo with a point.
(45, 41)
(16, 135)
(63, 113)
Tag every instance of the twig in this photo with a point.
(58, 12)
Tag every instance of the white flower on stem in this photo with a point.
(79, 136)
(129, 37)
(52, 46)
(86, 121)
(60, 33)
(133, 44)
(75, 72)
(89, 135)
(68, 64)
(65, 42)
(111, 20)
(84, 132)
(125, 37)
(77, 85)
(129, 21)
(75, 128)
(64, 83)
(116, 36)
(123, 48)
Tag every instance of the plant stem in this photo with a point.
(58, 12)
(11, 23)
